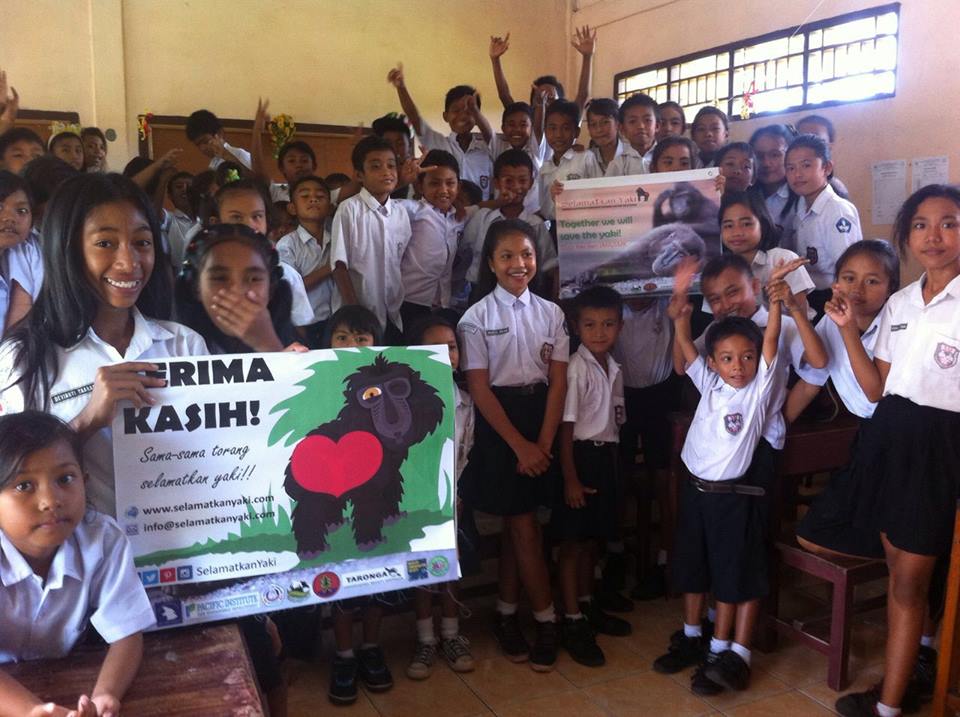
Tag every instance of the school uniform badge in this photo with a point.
(546, 351)
(733, 422)
(946, 355)
(812, 254)
(843, 225)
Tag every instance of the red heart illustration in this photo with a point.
(322, 465)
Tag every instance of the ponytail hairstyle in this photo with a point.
(190, 309)
(67, 305)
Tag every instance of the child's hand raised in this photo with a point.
(473, 104)
(679, 306)
(498, 46)
(785, 267)
(779, 290)
(585, 41)
(169, 158)
(839, 309)
(262, 118)
(395, 76)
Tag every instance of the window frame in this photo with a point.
(731, 48)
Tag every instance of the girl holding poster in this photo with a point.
(87, 343)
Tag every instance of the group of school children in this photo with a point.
(457, 247)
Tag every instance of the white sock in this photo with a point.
(717, 646)
(346, 654)
(692, 630)
(885, 711)
(712, 614)
(927, 640)
(744, 652)
(425, 631)
(506, 608)
(449, 627)
(577, 616)
(548, 614)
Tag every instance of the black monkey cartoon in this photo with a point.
(357, 456)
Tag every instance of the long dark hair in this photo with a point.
(24, 433)
(487, 280)
(190, 309)
(769, 234)
(901, 227)
(67, 304)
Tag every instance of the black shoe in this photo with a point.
(683, 652)
(343, 680)
(614, 573)
(924, 674)
(512, 642)
(605, 623)
(373, 671)
(702, 685)
(579, 641)
(910, 703)
(858, 704)
(652, 585)
(543, 655)
(730, 670)
(613, 602)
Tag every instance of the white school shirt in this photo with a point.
(475, 163)
(427, 265)
(789, 353)
(573, 165)
(630, 162)
(464, 419)
(475, 232)
(301, 312)
(594, 402)
(370, 238)
(513, 337)
(644, 346)
(178, 229)
(70, 392)
(621, 148)
(241, 156)
(775, 205)
(279, 192)
(838, 366)
(23, 264)
(824, 231)
(729, 422)
(305, 253)
(763, 265)
(922, 345)
(91, 579)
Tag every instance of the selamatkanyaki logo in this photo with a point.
(380, 574)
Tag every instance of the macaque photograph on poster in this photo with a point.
(631, 233)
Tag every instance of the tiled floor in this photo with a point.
(790, 681)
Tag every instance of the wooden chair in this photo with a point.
(946, 694)
(817, 448)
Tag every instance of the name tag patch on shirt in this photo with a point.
(733, 422)
(897, 327)
(71, 394)
(844, 225)
(484, 181)
(498, 332)
(946, 355)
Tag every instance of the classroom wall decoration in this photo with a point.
(631, 233)
(258, 482)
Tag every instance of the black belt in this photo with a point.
(726, 487)
(598, 444)
(527, 390)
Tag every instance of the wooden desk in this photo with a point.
(202, 671)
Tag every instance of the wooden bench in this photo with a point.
(946, 694)
(202, 671)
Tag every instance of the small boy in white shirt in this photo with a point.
(437, 231)
(512, 180)
(639, 125)
(561, 130)
(307, 249)
(369, 237)
(205, 130)
(724, 506)
(461, 109)
(589, 434)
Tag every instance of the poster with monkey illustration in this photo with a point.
(259, 482)
(631, 233)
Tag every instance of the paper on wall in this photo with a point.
(889, 189)
(929, 170)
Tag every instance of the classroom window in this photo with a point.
(848, 58)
